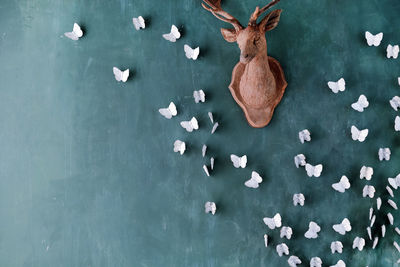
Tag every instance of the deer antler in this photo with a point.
(216, 10)
(258, 12)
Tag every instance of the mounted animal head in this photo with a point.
(251, 40)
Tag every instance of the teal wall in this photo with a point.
(87, 172)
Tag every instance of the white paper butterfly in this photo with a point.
(390, 191)
(392, 51)
(368, 191)
(298, 199)
(373, 40)
(179, 146)
(190, 125)
(390, 218)
(286, 231)
(300, 160)
(336, 246)
(266, 240)
(366, 172)
(274, 222)
(199, 96)
(342, 227)
(169, 112)
(378, 203)
(369, 233)
(139, 23)
(210, 115)
(203, 150)
(121, 75)
(395, 102)
(214, 128)
(313, 230)
(396, 246)
(361, 103)
(293, 261)
(358, 243)
(342, 185)
(392, 204)
(315, 262)
(340, 85)
(210, 207)
(282, 249)
(397, 124)
(358, 135)
(376, 239)
(304, 135)
(384, 154)
(205, 169)
(191, 53)
(239, 162)
(75, 34)
(394, 182)
(254, 181)
(340, 263)
(212, 163)
(314, 170)
(173, 35)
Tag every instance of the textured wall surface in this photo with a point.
(87, 172)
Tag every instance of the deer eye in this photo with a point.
(255, 41)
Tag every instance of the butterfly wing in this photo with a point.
(309, 170)
(341, 84)
(205, 168)
(243, 161)
(196, 53)
(169, 37)
(269, 222)
(165, 112)
(71, 35)
(117, 73)
(370, 38)
(188, 51)
(235, 160)
(333, 86)
(210, 115)
(125, 75)
(77, 30)
(277, 220)
(395, 51)
(187, 126)
(318, 170)
(175, 32)
(214, 128)
(251, 183)
(194, 123)
(172, 109)
(397, 124)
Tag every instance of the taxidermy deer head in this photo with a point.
(258, 81)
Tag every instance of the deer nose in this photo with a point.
(246, 56)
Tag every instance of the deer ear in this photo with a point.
(271, 20)
(229, 35)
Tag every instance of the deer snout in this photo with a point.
(245, 57)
